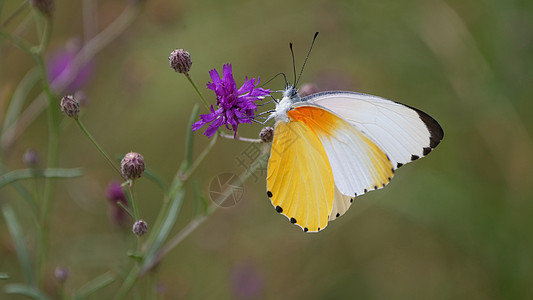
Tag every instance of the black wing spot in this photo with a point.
(269, 194)
(414, 157)
(279, 209)
(384, 184)
(375, 187)
(355, 194)
(337, 215)
(318, 229)
(435, 131)
(393, 170)
(366, 191)
(427, 150)
(399, 165)
(293, 220)
(351, 200)
(305, 229)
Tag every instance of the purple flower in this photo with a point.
(247, 281)
(235, 106)
(60, 67)
(115, 194)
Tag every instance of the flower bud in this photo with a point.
(70, 106)
(46, 7)
(61, 274)
(267, 134)
(140, 227)
(132, 165)
(180, 61)
(31, 158)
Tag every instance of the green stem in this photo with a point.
(133, 205)
(197, 90)
(49, 185)
(46, 34)
(14, 13)
(194, 223)
(19, 43)
(128, 283)
(200, 159)
(125, 209)
(109, 160)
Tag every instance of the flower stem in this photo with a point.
(199, 160)
(238, 138)
(194, 223)
(109, 160)
(197, 90)
(15, 12)
(49, 187)
(133, 206)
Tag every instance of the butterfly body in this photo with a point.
(331, 147)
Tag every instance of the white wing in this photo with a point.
(402, 132)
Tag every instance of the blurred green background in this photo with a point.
(456, 224)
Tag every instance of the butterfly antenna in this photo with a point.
(282, 74)
(293, 65)
(306, 57)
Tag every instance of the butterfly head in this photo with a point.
(290, 96)
(291, 92)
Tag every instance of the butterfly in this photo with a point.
(331, 147)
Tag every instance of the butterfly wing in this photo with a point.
(357, 163)
(403, 132)
(299, 180)
(319, 157)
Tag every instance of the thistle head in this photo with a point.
(70, 106)
(180, 61)
(132, 165)
(140, 227)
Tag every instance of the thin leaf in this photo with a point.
(189, 140)
(25, 290)
(17, 175)
(94, 285)
(165, 228)
(200, 201)
(148, 174)
(18, 236)
(19, 96)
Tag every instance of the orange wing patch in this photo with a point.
(357, 163)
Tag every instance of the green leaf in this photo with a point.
(135, 256)
(166, 225)
(17, 175)
(94, 285)
(148, 174)
(189, 140)
(25, 290)
(22, 251)
(17, 100)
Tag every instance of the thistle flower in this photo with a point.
(61, 66)
(61, 274)
(31, 158)
(132, 165)
(267, 134)
(115, 194)
(180, 61)
(235, 106)
(70, 106)
(140, 227)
